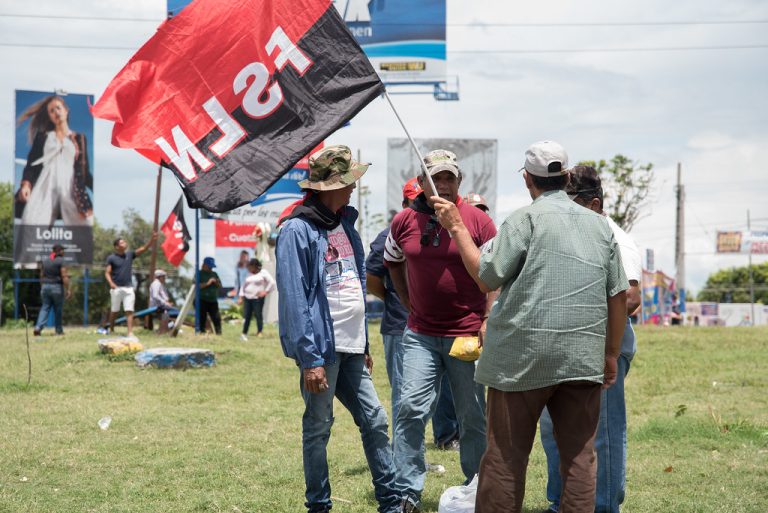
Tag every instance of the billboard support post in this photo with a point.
(751, 277)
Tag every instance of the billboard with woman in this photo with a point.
(53, 191)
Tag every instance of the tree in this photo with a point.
(626, 186)
(136, 232)
(732, 285)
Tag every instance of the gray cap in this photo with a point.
(546, 159)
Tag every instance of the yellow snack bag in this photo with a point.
(465, 349)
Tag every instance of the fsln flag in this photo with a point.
(176, 243)
(230, 94)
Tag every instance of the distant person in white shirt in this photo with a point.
(158, 297)
(252, 292)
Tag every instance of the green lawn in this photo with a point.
(228, 438)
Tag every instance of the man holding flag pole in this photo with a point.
(230, 94)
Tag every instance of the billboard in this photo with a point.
(745, 242)
(658, 297)
(478, 161)
(53, 177)
(404, 39)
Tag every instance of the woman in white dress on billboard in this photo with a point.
(56, 177)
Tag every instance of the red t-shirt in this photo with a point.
(445, 300)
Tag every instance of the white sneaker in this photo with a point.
(244, 337)
(436, 468)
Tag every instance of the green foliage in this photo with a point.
(626, 186)
(136, 231)
(732, 285)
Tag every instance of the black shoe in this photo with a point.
(407, 506)
(37, 332)
(453, 445)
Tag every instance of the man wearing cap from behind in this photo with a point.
(444, 303)
(554, 334)
(209, 295)
(159, 298)
(321, 282)
(54, 288)
(586, 189)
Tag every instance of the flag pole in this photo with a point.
(153, 255)
(413, 144)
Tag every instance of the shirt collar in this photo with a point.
(559, 194)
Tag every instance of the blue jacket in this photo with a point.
(306, 327)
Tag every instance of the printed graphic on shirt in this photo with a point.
(345, 293)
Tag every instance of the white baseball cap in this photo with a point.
(546, 159)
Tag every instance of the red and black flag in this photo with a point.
(176, 243)
(230, 94)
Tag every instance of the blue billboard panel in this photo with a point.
(404, 39)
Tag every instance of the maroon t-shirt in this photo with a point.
(445, 300)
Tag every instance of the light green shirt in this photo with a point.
(556, 264)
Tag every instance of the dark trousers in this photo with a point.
(253, 307)
(52, 295)
(210, 308)
(512, 420)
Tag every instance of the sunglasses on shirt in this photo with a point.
(430, 228)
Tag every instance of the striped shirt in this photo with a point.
(556, 263)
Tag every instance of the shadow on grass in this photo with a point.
(356, 471)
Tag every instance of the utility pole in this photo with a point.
(680, 240)
(751, 278)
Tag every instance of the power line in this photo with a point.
(474, 24)
(473, 52)
(81, 18)
(612, 50)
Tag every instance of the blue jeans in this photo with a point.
(610, 446)
(425, 360)
(253, 307)
(393, 358)
(445, 426)
(350, 382)
(52, 295)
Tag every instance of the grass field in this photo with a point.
(227, 439)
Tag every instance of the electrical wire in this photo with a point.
(470, 51)
(473, 24)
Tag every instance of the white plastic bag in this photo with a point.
(459, 499)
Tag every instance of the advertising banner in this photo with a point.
(404, 39)
(478, 162)
(267, 207)
(659, 300)
(235, 235)
(745, 242)
(53, 177)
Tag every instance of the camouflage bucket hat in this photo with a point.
(332, 168)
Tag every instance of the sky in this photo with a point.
(524, 76)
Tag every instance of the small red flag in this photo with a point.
(176, 243)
